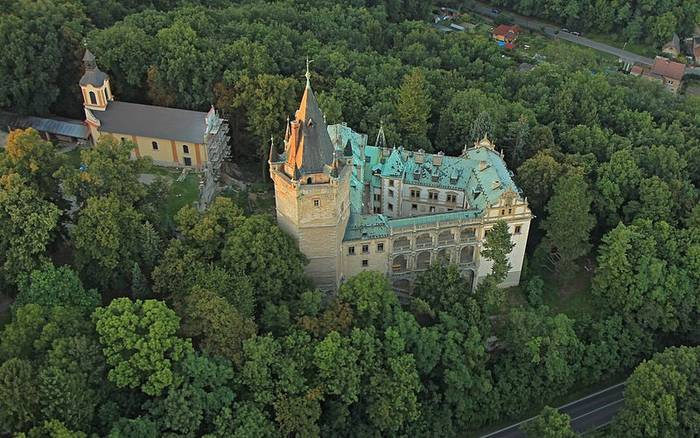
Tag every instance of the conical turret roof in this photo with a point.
(310, 146)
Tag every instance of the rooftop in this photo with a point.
(667, 68)
(153, 121)
(75, 129)
(479, 172)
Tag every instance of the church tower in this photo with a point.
(312, 190)
(95, 85)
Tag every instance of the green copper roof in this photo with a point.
(480, 173)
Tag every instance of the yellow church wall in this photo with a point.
(169, 153)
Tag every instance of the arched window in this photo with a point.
(93, 98)
(155, 145)
(185, 149)
(308, 180)
(105, 93)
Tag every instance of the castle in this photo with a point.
(169, 136)
(354, 207)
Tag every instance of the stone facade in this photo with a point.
(391, 210)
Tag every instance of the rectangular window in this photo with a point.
(510, 211)
(365, 263)
(351, 250)
(317, 202)
(154, 145)
(365, 249)
(432, 209)
(377, 210)
(188, 161)
(391, 193)
(380, 247)
(185, 149)
(451, 197)
(377, 197)
(518, 229)
(391, 183)
(415, 193)
(414, 206)
(503, 212)
(390, 206)
(433, 196)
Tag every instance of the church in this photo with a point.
(354, 207)
(169, 136)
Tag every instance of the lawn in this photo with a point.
(182, 193)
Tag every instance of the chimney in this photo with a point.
(420, 156)
(437, 159)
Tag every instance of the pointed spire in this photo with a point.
(287, 132)
(274, 156)
(381, 138)
(308, 72)
(334, 167)
(89, 60)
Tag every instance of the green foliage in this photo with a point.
(140, 345)
(107, 240)
(644, 21)
(27, 227)
(661, 396)
(413, 111)
(370, 296)
(268, 257)
(109, 170)
(215, 325)
(497, 246)
(35, 160)
(19, 396)
(569, 222)
(57, 286)
(549, 424)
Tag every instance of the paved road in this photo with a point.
(588, 413)
(551, 30)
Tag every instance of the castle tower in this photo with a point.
(312, 190)
(95, 85)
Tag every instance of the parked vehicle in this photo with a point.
(563, 29)
(576, 33)
(495, 11)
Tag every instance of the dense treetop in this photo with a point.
(207, 326)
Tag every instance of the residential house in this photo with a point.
(506, 33)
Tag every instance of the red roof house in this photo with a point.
(506, 33)
(670, 73)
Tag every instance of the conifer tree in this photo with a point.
(414, 110)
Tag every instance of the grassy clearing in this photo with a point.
(182, 193)
(563, 52)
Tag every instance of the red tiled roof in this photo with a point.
(504, 29)
(668, 69)
(637, 70)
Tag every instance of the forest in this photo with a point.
(123, 324)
